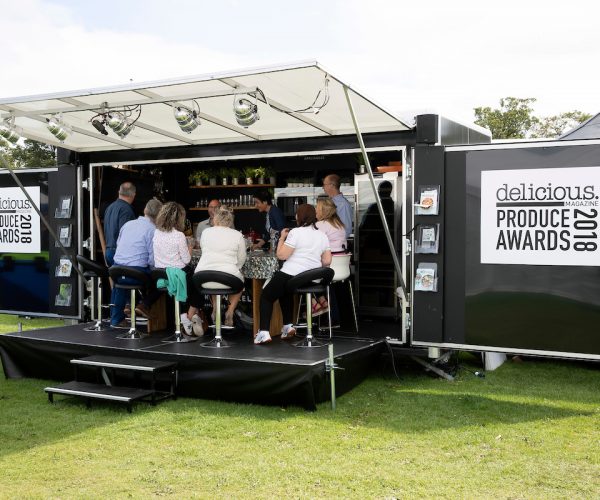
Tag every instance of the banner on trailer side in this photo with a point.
(520, 249)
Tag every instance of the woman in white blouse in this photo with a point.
(172, 249)
(223, 249)
(302, 248)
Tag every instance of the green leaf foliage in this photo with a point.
(515, 119)
(32, 154)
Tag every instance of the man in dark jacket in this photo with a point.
(116, 215)
(275, 219)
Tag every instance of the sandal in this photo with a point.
(319, 307)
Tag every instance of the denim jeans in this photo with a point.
(119, 297)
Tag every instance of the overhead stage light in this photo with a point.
(246, 112)
(99, 126)
(58, 128)
(119, 124)
(8, 130)
(187, 119)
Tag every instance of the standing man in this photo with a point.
(263, 201)
(205, 224)
(135, 250)
(331, 186)
(116, 215)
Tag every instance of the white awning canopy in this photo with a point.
(281, 92)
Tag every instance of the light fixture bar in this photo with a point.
(134, 102)
(280, 107)
(204, 116)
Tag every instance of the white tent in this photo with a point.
(280, 92)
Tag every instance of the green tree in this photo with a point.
(513, 120)
(33, 154)
(557, 125)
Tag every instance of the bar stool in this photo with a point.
(312, 281)
(341, 266)
(230, 284)
(142, 283)
(158, 274)
(93, 270)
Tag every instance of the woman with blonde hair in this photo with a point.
(330, 223)
(223, 249)
(172, 249)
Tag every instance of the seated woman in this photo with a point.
(302, 248)
(223, 249)
(172, 249)
(330, 223)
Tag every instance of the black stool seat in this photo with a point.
(144, 282)
(161, 274)
(309, 282)
(230, 284)
(305, 282)
(92, 269)
(117, 272)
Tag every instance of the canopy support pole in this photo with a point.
(376, 194)
(8, 167)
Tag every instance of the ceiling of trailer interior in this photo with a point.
(287, 89)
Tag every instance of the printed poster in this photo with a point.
(544, 216)
(19, 222)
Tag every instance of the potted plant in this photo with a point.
(212, 178)
(249, 172)
(271, 175)
(197, 177)
(261, 173)
(235, 174)
(224, 173)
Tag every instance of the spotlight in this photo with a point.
(8, 131)
(245, 112)
(119, 124)
(58, 128)
(187, 119)
(99, 126)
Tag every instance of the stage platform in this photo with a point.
(274, 374)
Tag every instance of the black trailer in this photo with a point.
(517, 268)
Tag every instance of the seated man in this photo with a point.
(205, 224)
(134, 249)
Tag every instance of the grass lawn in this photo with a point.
(527, 430)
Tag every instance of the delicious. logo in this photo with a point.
(540, 216)
(572, 195)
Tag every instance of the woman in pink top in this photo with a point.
(330, 223)
(171, 249)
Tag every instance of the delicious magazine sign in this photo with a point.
(19, 222)
(544, 216)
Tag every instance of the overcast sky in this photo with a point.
(445, 56)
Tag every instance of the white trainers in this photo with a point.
(187, 324)
(197, 326)
(262, 337)
(288, 332)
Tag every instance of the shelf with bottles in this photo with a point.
(229, 186)
(234, 208)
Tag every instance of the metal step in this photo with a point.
(144, 365)
(98, 391)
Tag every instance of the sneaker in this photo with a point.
(197, 326)
(288, 332)
(262, 337)
(122, 324)
(187, 324)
